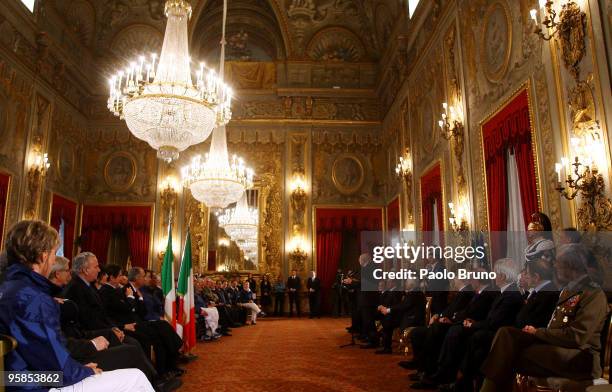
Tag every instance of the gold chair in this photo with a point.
(7, 344)
(428, 310)
(558, 384)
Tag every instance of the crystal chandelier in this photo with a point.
(215, 181)
(158, 99)
(241, 222)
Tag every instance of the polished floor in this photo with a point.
(292, 355)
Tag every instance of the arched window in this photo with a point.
(29, 4)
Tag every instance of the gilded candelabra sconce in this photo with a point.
(458, 217)
(39, 165)
(298, 200)
(297, 253)
(452, 130)
(404, 171)
(582, 179)
(570, 28)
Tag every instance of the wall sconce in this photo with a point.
(582, 178)
(404, 167)
(224, 242)
(38, 167)
(569, 17)
(451, 123)
(298, 199)
(458, 217)
(297, 253)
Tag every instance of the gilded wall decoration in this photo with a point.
(336, 44)
(65, 162)
(250, 75)
(496, 41)
(572, 37)
(120, 171)
(582, 106)
(367, 148)
(347, 173)
(135, 40)
(197, 218)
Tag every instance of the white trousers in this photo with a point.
(212, 320)
(252, 306)
(122, 380)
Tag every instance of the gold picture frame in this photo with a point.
(131, 177)
(8, 198)
(341, 184)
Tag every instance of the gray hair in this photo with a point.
(61, 264)
(134, 272)
(505, 267)
(79, 263)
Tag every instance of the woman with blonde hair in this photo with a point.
(29, 314)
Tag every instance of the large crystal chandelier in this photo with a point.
(158, 98)
(241, 222)
(214, 180)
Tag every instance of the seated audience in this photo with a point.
(207, 313)
(29, 314)
(153, 297)
(409, 312)
(569, 346)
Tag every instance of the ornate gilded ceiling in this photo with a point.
(319, 30)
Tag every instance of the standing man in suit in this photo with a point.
(314, 294)
(293, 286)
(571, 344)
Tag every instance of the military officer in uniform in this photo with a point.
(569, 347)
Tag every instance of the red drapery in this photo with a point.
(393, 216)
(431, 190)
(100, 221)
(62, 208)
(331, 223)
(5, 180)
(510, 129)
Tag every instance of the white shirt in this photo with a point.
(502, 289)
(482, 289)
(540, 286)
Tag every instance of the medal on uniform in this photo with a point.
(565, 319)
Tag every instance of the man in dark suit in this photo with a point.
(571, 344)
(542, 298)
(409, 312)
(423, 337)
(437, 288)
(314, 294)
(464, 344)
(440, 348)
(293, 286)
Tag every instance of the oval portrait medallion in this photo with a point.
(347, 173)
(65, 162)
(120, 171)
(496, 41)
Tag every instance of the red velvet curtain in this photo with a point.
(331, 224)
(62, 208)
(5, 180)
(329, 250)
(510, 129)
(431, 191)
(393, 216)
(100, 221)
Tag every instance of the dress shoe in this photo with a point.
(418, 376)
(177, 372)
(426, 383)
(384, 351)
(452, 387)
(368, 346)
(186, 358)
(167, 384)
(410, 365)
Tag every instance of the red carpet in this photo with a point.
(292, 355)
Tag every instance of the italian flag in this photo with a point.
(167, 278)
(185, 293)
